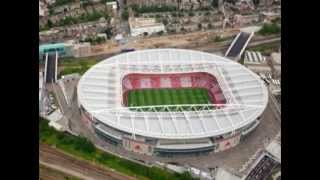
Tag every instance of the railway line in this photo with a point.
(80, 168)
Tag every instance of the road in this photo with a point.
(252, 43)
(65, 163)
(51, 68)
(156, 42)
(238, 45)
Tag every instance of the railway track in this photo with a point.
(207, 47)
(224, 46)
(71, 165)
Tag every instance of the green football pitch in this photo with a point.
(153, 97)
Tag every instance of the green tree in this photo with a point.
(174, 14)
(256, 2)
(49, 23)
(215, 3)
(269, 28)
(231, 1)
(165, 21)
(109, 32)
(160, 33)
(125, 15)
(180, 14)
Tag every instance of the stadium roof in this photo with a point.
(100, 93)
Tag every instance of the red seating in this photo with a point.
(155, 82)
(175, 82)
(135, 83)
(165, 82)
(186, 80)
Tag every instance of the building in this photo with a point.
(41, 10)
(140, 26)
(237, 96)
(112, 7)
(52, 48)
(276, 61)
(68, 49)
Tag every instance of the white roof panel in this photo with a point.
(100, 93)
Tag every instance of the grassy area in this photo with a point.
(269, 29)
(266, 49)
(241, 61)
(76, 65)
(221, 39)
(84, 149)
(78, 61)
(149, 97)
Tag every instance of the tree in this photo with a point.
(218, 39)
(174, 14)
(268, 29)
(180, 14)
(210, 26)
(256, 2)
(215, 3)
(49, 23)
(165, 21)
(231, 1)
(160, 33)
(125, 15)
(199, 26)
(109, 32)
(172, 30)
(145, 33)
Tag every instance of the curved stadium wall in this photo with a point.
(180, 121)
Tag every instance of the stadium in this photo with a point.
(171, 101)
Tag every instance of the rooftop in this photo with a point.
(100, 93)
(143, 22)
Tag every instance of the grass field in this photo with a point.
(152, 97)
(76, 65)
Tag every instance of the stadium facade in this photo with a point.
(237, 98)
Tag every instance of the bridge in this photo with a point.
(238, 45)
(51, 66)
